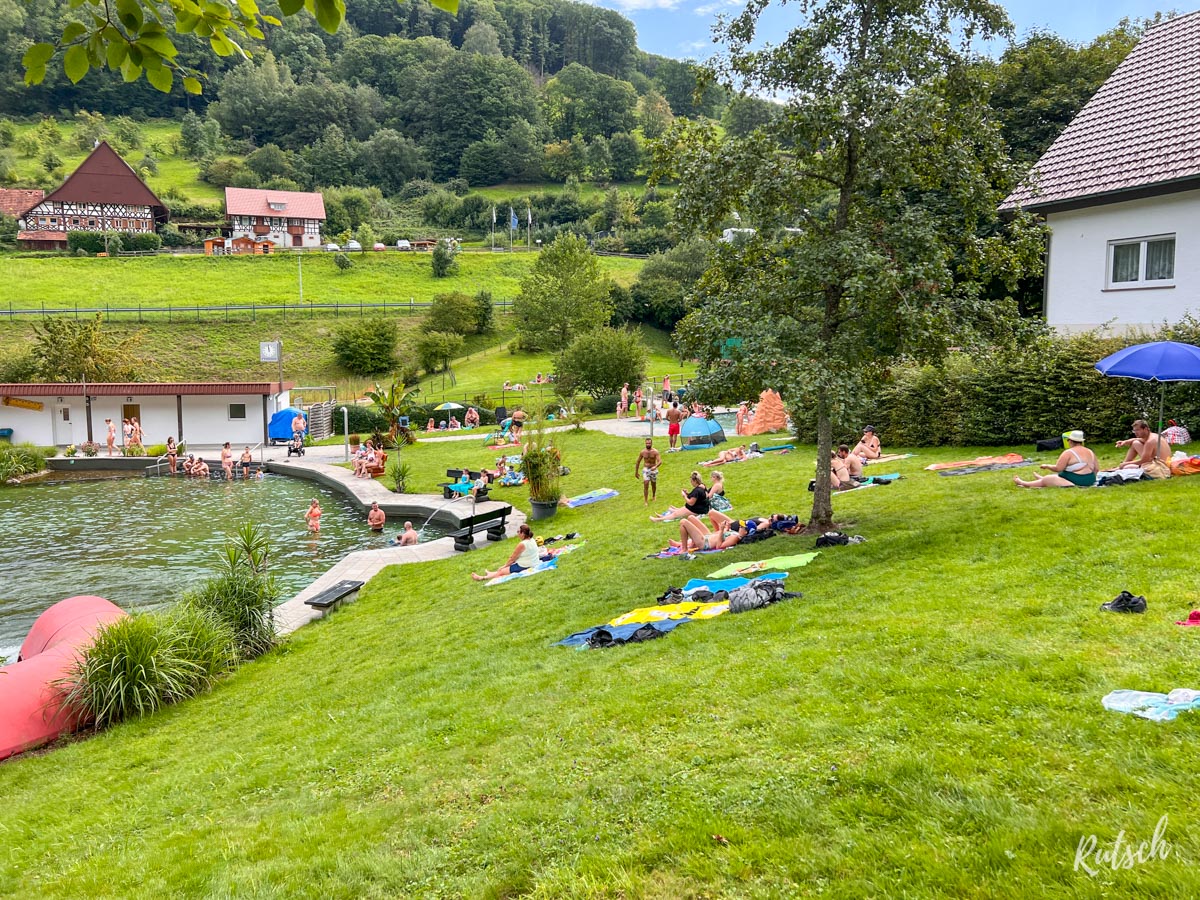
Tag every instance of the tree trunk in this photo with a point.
(822, 508)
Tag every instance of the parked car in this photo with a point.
(403, 245)
(333, 248)
(353, 245)
(379, 246)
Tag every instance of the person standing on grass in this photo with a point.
(376, 517)
(624, 404)
(111, 439)
(637, 403)
(675, 416)
(646, 468)
(313, 516)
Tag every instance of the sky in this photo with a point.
(682, 28)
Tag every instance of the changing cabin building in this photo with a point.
(1120, 192)
(103, 194)
(285, 218)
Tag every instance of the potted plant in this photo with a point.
(89, 448)
(542, 464)
(355, 440)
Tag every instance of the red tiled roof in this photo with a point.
(144, 388)
(106, 178)
(41, 235)
(256, 202)
(1142, 128)
(16, 201)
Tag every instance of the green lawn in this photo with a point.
(925, 722)
(64, 282)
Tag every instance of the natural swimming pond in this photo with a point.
(142, 542)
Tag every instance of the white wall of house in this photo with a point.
(206, 418)
(1079, 295)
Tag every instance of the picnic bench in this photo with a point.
(454, 486)
(493, 522)
(333, 595)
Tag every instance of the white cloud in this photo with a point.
(708, 9)
(636, 5)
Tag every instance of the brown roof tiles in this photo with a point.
(16, 202)
(1139, 131)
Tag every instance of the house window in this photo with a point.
(237, 410)
(1142, 262)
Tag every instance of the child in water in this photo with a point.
(313, 516)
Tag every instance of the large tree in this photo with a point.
(564, 294)
(873, 195)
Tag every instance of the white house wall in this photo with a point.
(1076, 297)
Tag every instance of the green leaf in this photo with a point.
(159, 43)
(192, 85)
(37, 55)
(162, 78)
(72, 31)
(75, 63)
(35, 74)
(185, 23)
(116, 53)
(450, 6)
(130, 14)
(130, 71)
(290, 7)
(221, 45)
(329, 14)
(248, 8)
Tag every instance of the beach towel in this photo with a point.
(762, 565)
(592, 497)
(978, 461)
(780, 447)
(504, 446)
(990, 467)
(729, 584)
(672, 552)
(1153, 706)
(540, 566)
(888, 457)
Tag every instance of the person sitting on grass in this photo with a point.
(430, 426)
(471, 418)
(454, 424)
(1076, 467)
(716, 493)
(524, 556)
(868, 447)
(854, 463)
(695, 536)
(1147, 451)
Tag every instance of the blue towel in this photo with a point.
(728, 584)
(620, 632)
(1150, 705)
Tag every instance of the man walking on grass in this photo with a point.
(646, 468)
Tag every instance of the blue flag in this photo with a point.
(513, 222)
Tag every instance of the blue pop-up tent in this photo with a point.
(280, 428)
(701, 433)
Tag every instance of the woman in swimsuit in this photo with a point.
(172, 454)
(111, 440)
(313, 517)
(694, 536)
(1076, 467)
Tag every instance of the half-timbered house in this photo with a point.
(103, 194)
(285, 218)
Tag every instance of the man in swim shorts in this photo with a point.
(646, 468)
(674, 417)
(408, 537)
(376, 517)
(1147, 451)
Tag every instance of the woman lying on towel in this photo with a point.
(1076, 467)
(732, 455)
(694, 536)
(524, 556)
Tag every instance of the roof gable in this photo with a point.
(262, 202)
(1141, 129)
(16, 202)
(106, 178)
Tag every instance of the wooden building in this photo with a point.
(285, 218)
(103, 194)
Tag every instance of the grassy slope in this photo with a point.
(925, 722)
(64, 282)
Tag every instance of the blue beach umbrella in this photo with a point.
(448, 406)
(1158, 361)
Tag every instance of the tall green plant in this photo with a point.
(245, 594)
(542, 464)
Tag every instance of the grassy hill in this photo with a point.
(925, 722)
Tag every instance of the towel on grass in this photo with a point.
(540, 566)
(762, 565)
(780, 447)
(990, 467)
(592, 497)
(978, 462)
(888, 457)
(729, 584)
(672, 552)
(1153, 706)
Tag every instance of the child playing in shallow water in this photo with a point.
(313, 516)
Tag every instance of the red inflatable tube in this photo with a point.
(31, 712)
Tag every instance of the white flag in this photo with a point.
(493, 215)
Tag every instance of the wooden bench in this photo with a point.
(492, 522)
(333, 595)
(454, 477)
(377, 470)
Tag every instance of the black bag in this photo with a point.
(1050, 444)
(833, 539)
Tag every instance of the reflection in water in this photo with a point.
(141, 542)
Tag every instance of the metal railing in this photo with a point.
(161, 461)
(230, 311)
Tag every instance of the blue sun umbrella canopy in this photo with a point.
(1156, 361)
(700, 433)
(1159, 361)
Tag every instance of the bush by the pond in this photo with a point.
(244, 595)
(22, 459)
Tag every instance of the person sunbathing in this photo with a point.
(854, 463)
(839, 475)
(695, 501)
(1147, 451)
(430, 426)
(695, 536)
(1076, 467)
(868, 447)
(732, 455)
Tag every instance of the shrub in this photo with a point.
(485, 313)
(343, 262)
(244, 595)
(133, 449)
(452, 313)
(367, 346)
(206, 641)
(18, 368)
(444, 263)
(401, 474)
(542, 463)
(363, 420)
(21, 459)
(599, 361)
(90, 448)
(435, 349)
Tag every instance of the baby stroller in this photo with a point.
(295, 446)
